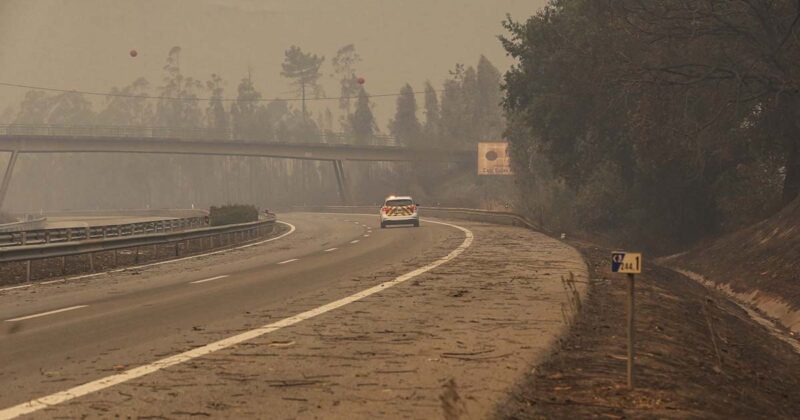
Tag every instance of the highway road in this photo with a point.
(58, 336)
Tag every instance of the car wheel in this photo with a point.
(383, 225)
(416, 224)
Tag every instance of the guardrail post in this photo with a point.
(28, 271)
(105, 232)
(91, 262)
(63, 265)
(47, 237)
(24, 238)
(136, 256)
(69, 235)
(114, 257)
(155, 252)
(177, 248)
(88, 233)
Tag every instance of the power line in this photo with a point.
(173, 98)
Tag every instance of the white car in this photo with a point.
(399, 211)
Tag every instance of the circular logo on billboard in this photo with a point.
(491, 155)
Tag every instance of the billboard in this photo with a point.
(493, 158)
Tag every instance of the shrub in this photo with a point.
(232, 214)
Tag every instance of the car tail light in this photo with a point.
(384, 209)
(413, 207)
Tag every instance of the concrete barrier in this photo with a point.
(34, 224)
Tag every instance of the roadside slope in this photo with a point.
(698, 356)
(759, 265)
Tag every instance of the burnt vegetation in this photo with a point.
(665, 120)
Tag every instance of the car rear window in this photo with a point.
(398, 203)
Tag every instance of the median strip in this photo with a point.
(292, 229)
(71, 308)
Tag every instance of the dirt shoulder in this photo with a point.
(698, 356)
(449, 343)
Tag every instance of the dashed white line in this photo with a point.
(366, 236)
(208, 279)
(22, 318)
(355, 241)
(330, 249)
(289, 261)
(137, 372)
(292, 228)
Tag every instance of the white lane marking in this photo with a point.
(18, 287)
(366, 236)
(289, 261)
(330, 249)
(292, 228)
(137, 372)
(355, 241)
(208, 279)
(22, 318)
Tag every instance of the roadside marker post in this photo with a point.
(629, 263)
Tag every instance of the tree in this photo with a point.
(488, 111)
(433, 120)
(659, 102)
(128, 106)
(216, 115)
(362, 122)
(244, 111)
(405, 126)
(303, 68)
(344, 68)
(179, 106)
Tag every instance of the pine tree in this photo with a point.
(362, 122)
(405, 126)
(303, 68)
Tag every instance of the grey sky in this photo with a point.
(84, 44)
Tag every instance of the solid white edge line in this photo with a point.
(109, 381)
(292, 228)
(288, 261)
(22, 318)
(208, 279)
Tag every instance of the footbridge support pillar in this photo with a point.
(341, 182)
(12, 161)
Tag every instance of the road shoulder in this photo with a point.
(698, 355)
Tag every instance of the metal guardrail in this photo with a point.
(168, 133)
(211, 236)
(498, 217)
(46, 236)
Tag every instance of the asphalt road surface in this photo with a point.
(59, 336)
